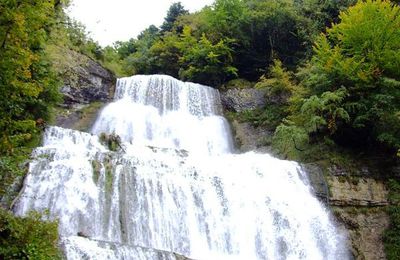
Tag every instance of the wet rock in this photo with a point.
(82, 234)
(238, 100)
(317, 181)
(358, 203)
(336, 170)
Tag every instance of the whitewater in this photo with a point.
(175, 187)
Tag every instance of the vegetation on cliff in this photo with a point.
(349, 91)
(28, 237)
(392, 237)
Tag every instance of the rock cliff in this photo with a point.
(86, 81)
(87, 86)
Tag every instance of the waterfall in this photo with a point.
(174, 188)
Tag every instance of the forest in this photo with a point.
(334, 65)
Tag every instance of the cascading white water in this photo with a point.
(161, 111)
(174, 186)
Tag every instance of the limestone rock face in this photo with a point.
(365, 229)
(359, 206)
(87, 86)
(238, 100)
(250, 138)
(86, 81)
(247, 137)
(357, 192)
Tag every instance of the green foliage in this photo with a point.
(279, 81)
(142, 61)
(238, 84)
(205, 62)
(351, 84)
(226, 19)
(324, 111)
(279, 88)
(290, 139)
(109, 177)
(28, 237)
(391, 237)
(184, 56)
(269, 117)
(96, 167)
(167, 52)
(112, 61)
(322, 14)
(275, 28)
(27, 83)
(112, 141)
(174, 11)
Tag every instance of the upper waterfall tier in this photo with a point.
(169, 94)
(161, 111)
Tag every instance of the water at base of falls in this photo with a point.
(174, 188)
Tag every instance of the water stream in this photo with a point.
(175, 186)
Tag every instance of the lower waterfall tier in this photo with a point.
(248, 206)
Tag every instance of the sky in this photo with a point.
(108, 21)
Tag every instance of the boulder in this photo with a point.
(238, 100)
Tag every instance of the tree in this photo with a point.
(174, 11)
(205, 62)
(166, 52)
(275, 31)
(124, 49)
(27, 84)
(142, 61)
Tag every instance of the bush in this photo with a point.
(391, 237)
(351, 85)
(28, 237)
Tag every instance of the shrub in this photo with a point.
(28, 237)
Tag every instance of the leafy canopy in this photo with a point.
(352, 83)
